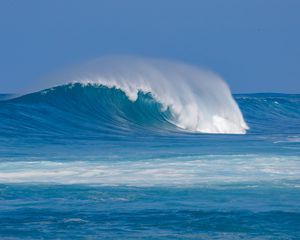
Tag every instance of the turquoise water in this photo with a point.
(86, 162)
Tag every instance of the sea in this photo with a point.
(94, 161)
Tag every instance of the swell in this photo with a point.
(271, 112)
(91, 110)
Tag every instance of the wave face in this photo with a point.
(198, 100)
(87, 109)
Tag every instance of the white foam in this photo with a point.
(199, 100)
(156, 172)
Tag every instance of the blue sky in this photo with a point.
(254, 45)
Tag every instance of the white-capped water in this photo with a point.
(193, 171)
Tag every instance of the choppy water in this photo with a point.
(86, 162)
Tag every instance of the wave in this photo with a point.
(89, 107)
(192, 99)
(97, 110)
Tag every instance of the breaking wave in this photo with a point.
(158, 93)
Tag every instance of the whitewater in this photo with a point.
(131, 148)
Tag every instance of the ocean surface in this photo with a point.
(85, 161)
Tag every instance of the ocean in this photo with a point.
(91, 161)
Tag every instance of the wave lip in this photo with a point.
(199, 100)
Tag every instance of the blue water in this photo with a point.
(86, 162)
